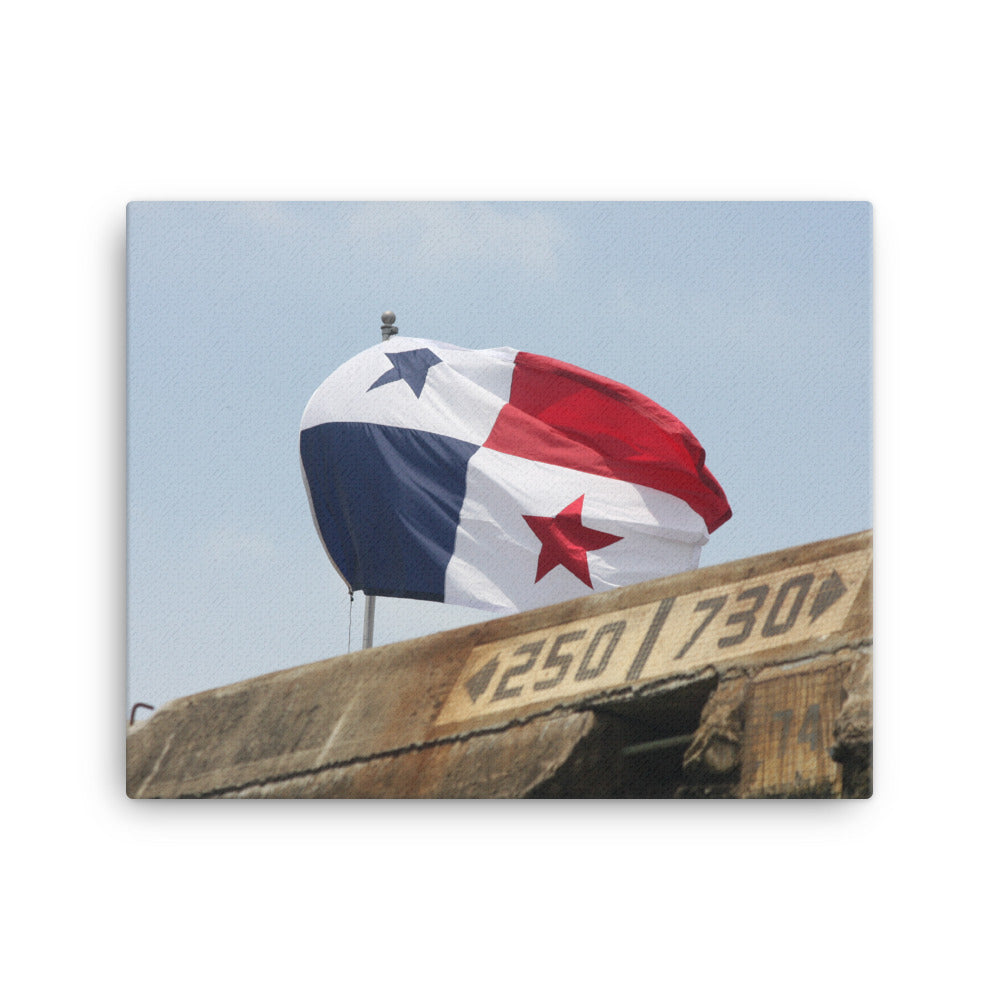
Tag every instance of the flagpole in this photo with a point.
(388, 330)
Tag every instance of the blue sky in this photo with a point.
(750, 321)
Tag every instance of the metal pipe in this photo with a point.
(138, 704)
(368, 635)
(667, 743)
(369, 630)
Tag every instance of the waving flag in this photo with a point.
(499, 479)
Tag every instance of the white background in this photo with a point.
(110, 102)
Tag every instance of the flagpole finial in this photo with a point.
(388, 330)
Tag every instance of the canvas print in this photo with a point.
(499, 500)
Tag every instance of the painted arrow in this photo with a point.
(830, 591)
(480, 680)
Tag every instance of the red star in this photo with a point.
(566, 542)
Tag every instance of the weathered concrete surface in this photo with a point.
(715, 752)
(852, 729)
(425, 718)
(512, 763)
(789, 729)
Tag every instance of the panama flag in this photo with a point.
(499, 479)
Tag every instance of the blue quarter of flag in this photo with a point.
(387, 502)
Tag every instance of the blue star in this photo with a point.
(410, 367)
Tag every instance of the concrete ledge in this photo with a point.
(523, 705)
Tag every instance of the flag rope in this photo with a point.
(350, 619)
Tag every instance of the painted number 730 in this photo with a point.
(782, 616)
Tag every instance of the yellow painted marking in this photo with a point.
(673, 636)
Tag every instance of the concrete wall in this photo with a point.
(750, 679)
